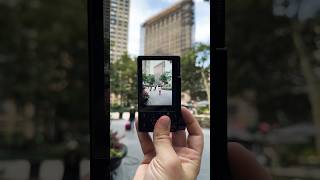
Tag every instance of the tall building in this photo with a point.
(170, 32)
(158, 68)
(119, 20)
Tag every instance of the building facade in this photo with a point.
(171, 32)
(158, 71)
(146, 67)
(119, 21)
(158, 68)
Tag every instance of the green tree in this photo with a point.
(276, 57)
(44, 60)
(145, 78)
(194, 74)
(148, 78)
(152, 78)
(165, 77)
(123, 80)
(203, 53)
(302, 30)
(260, 58)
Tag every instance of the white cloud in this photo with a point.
(140, 11)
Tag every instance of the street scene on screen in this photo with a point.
(157, 82)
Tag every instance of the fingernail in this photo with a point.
(164, 122)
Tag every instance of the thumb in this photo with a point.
(161, 137)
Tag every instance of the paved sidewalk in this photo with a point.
(165, 98)
(130, 163)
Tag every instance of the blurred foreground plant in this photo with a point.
(115, 145)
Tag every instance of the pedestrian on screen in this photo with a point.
(159, 90)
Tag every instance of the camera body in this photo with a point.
(159, 91)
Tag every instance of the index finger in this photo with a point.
(195, 137)
(145, 140)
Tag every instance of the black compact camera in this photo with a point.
(159, 91)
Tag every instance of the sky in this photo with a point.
(141, 10)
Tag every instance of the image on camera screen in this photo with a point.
(157, 82)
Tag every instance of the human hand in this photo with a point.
(171, 156)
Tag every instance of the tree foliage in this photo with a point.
(148, 78)
(192, 79)
(123, 79)
(44, 59)
(262, 58)
(274, 51)
(165, 77)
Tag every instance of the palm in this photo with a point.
(185, 165)
(190, 160)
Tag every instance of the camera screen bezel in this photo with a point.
(176, 95)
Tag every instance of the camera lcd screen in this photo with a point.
(157, 82)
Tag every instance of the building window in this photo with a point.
(113, 21)
(114, 5)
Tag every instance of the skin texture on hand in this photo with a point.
(171, 156)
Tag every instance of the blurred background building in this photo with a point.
(169, 32)
(119, 20)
